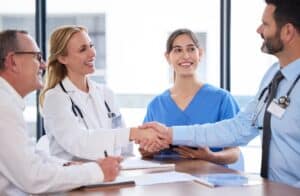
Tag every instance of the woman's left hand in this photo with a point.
(200, 153)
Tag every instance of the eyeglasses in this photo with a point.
(38, 55)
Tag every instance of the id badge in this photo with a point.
(275, 109)
(116, 121)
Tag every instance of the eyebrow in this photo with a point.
(85, 45)
(188, 45)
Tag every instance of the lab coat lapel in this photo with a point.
(73, 92)
(98, 97)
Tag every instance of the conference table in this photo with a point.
(190, 188)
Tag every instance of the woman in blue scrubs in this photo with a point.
(190, 101)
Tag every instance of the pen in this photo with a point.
(105, 153)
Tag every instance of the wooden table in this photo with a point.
(267, 188)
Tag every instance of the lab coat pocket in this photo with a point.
(116, 121)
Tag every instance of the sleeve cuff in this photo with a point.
(182, 135)
(93, 172)
(122, 137)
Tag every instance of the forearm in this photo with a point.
(226, 156)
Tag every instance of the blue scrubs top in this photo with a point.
(209, 105)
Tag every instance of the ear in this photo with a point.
(288, 31)
(10, 62)
(62, 59)
(201, 52)
(167, 56)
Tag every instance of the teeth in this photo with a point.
(185, 64)
(90, 63)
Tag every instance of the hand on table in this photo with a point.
(200, 153)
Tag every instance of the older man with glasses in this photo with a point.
(22, 170)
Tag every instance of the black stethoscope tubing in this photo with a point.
(283, 100)
(77, 111)
(287, 94)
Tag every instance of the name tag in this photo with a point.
(275, 109)
(116, 122)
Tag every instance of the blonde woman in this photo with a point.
(81, 117)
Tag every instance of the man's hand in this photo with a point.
(110, 167)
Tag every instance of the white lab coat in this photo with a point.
(69, 138)
(24, 171)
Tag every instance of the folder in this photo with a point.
(109, 184)
(226, 179)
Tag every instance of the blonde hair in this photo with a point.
(56, 71)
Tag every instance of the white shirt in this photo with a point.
(22, 170)
(73, 139)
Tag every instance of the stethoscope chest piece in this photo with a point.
(284, 101)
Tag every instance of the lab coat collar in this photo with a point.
(71, 88)
(16, 97)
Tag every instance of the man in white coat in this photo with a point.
(22, 170)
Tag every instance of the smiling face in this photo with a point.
(184, 56)
(81, 55)
(29, 66)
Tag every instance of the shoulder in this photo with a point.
(8, 106)
(219, 95)
(55, 95)
(215, 91)
(269, 74)
(6, 102)
(159, 99)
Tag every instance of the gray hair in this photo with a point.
(8, 43)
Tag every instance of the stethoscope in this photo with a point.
(77, 111)
(282, 101)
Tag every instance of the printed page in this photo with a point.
(162, 177)
(128, 164)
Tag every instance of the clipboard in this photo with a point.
(109, 184)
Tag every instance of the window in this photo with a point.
(134, 43)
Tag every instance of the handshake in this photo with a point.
(151, 136)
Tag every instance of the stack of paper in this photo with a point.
(128, 164)
(162, 177)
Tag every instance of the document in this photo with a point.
(162, 177)
(146, 179)
(133, 163)
(227, 179)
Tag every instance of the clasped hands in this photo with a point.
(152, 136)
